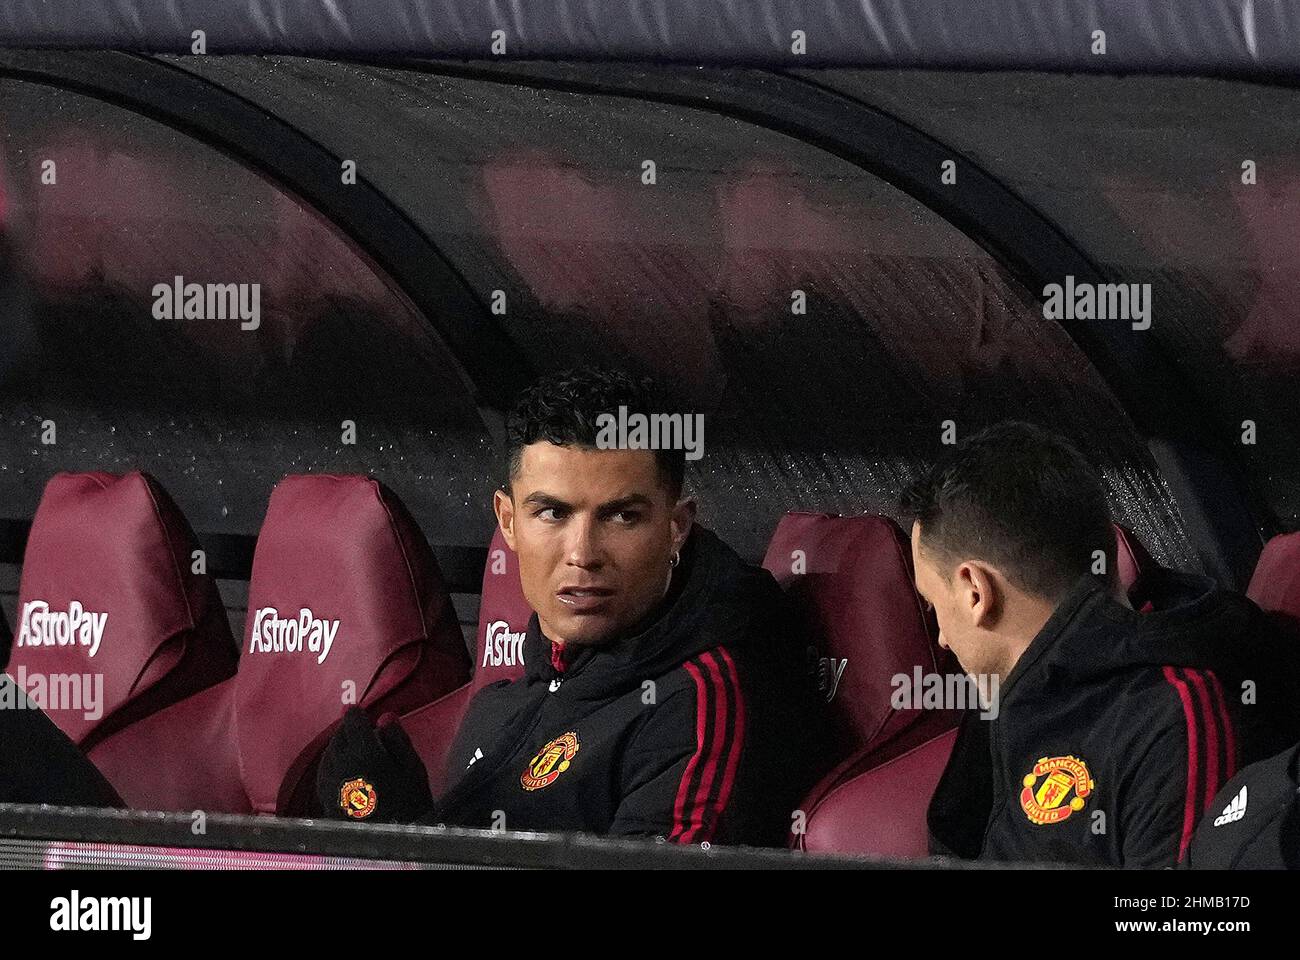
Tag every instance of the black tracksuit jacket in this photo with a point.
(704, 725)
(39, 763)
(1254, 823)
(1116, 728)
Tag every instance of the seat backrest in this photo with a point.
(1275, 584)
(499, 655)
(881, 812)
(113, 619)
(503, 616)
(182, 758)
(849, 581)
(345, 606)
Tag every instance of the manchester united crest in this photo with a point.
(358, 799)
(1063, 791)
(551, 761)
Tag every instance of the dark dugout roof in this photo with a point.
(1061, 176)
(1209, 36)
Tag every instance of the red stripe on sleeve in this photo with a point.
(700, 807)
(1193, 750)
(737, 740)
(1211, 722)
(702, 703)
(1221, 702)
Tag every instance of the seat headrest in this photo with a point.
(503, 616)
(1275, 584)
(345, 606)
(109, 593)
(849, 580)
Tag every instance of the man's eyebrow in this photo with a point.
(539, 499)
(622, 503)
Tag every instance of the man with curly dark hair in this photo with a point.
(665, 694)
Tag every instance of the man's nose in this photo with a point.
(584, 546)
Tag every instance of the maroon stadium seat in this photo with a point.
(503, 616)
(849, 580)
(502, 621)
(881, 811)
(1275, 584)
(345, 605)
(184, 757)
(109, 591)
(345, 549)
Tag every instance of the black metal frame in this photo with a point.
(1224, 514)
(414, 844)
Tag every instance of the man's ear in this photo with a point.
(682, 519)
(981, 593)
(504, 507)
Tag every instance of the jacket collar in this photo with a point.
(1085, 595)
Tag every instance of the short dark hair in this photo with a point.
(1022, 498)
(562, 408)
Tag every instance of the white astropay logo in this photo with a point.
(40, 626)
(502, 647)
(272, 633)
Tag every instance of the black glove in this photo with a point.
(372, 773)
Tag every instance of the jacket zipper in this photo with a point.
(999, 782)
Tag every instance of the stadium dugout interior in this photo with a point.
(829, 227)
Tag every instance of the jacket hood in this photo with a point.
(1186, 621)
(716, 598)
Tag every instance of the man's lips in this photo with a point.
(584, 599)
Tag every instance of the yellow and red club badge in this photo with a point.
(1064, 790)
(358, 799)
(551, 761)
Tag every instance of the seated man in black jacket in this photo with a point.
(665, 694)
(1254, 822)
(1114, 728)
(39, 763)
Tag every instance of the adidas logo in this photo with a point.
(1233, 811)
